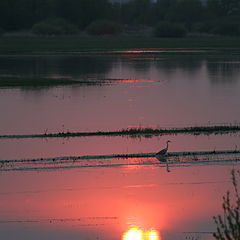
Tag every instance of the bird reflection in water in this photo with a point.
(162, 155)
(135, 233)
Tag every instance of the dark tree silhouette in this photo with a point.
(23, 14)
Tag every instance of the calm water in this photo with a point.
(126, 90)
(104, 203)
(137, 199)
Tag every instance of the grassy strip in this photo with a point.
(136, 132)
(67, 162)
(75, 44)
(133, 155)
(73, 166)
(34, 82)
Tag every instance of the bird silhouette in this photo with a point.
(161, 155)
(163, 152)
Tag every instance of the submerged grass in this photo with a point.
(34, 82)
(147, 132)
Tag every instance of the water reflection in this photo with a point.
(85, 67)
(128, 199)
(147, 90)
(136, 233)
(173, 63)
(150, 65)
(224, 71)
(97, 203)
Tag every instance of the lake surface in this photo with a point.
(104, 203)
(124, 90)
(116, 199)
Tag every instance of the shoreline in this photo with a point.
(34, 45)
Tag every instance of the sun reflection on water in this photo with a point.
(135, 233)
(152, 235)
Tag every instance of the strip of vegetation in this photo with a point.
(136, 132)
(191, 130)
(111, 156)
(33, 82)
(71, 162)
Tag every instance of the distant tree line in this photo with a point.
(69, 16)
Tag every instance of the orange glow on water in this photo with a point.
(144, 204)
(139, 51)
(134, 80)
(142, 51)
(135, 233)
(152, 235)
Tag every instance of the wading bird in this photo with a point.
(161, 155)
(163, 152)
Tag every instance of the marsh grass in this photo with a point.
(228, 225)
(135, 132)
(192, 130)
